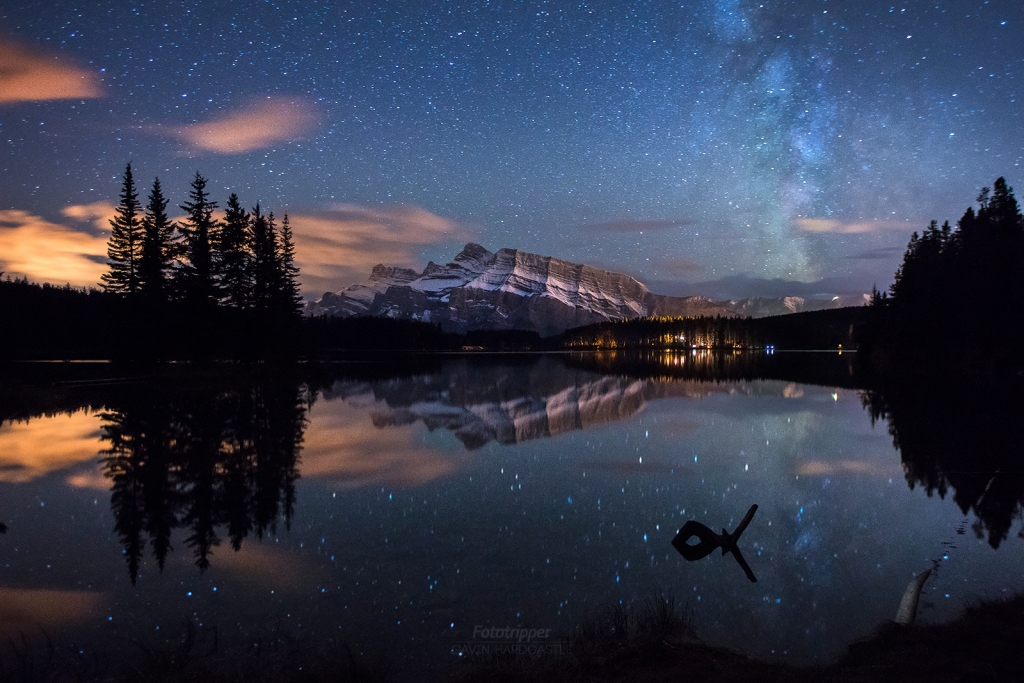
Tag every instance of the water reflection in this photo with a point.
(200, 457)
(521, 490)
(966, 440)
(514, 401)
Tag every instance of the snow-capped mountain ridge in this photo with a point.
(514, 289)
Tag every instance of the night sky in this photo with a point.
(701, 146)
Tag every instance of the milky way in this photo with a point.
(724, 143)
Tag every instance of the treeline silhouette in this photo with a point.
(200, 457)
(958, 297)
(824, 369)
(826, 329)
(200, 287)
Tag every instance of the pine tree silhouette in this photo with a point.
(158, 248)
(200, 231)
(288, 297)
(263, 265)
(233, 255)
(124, 247)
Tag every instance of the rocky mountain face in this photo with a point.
(513, 289)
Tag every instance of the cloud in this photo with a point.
(256, 126)
(677, 266)
(29, 76)
(33, 247)
(98, 214)
(834, 226)
(339, 247)
(36, 447)
(632, 225)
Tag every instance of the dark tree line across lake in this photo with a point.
(228, 289)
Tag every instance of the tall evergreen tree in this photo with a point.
(157, 255)
(233, 255)
(263, 265)
(199, 230)
(288, 296)
(124, 247)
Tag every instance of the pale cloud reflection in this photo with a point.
(340, 246)
(25, 609)
(813, 468)
(343, 447)
(36, 447)
(261, 124)
(42, 251)
(30, 76)
(258, 562)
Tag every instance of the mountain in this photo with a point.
(514, 289)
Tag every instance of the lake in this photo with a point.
(401, 507)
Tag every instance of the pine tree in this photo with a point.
(157, 248)
(233, 256)
(263, 266)
(288, 296)
(124, 247)
(199, 230)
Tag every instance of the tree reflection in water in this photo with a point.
(200, 457)
(968, 438)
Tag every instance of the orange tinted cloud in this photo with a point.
(28, 76)
(99, 214)
(48, 252)
(829, 225)
(343, 447)
(42, 445)
(259, 125)
(339, 247)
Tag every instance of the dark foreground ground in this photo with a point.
(650, 644)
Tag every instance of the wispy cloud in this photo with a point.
(260, 124)
(633, 225)
(28, 76)
(834, 226)
(339, 247)
(98, 214)
(43, 251)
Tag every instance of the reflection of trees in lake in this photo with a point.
(199, 458)
(964, 438)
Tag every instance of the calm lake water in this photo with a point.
(396, 506)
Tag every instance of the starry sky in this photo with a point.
(724, 147)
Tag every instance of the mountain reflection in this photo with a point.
(965, 439)
(511, 402)
(200, 457)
